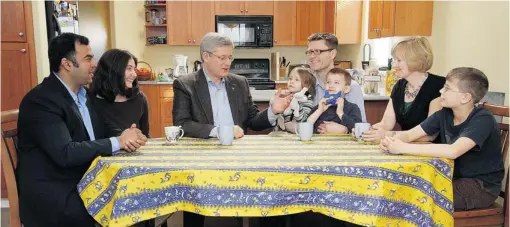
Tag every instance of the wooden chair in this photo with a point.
(496, 215)
(9, 162)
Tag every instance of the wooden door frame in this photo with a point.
(29, 26)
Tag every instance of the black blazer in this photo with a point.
(54, 153)
(193, 111)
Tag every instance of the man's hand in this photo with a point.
(131, 139)
(329, 127)
(238, 132)
(392, 145)
(281, 102)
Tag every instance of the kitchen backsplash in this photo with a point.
(161, 57)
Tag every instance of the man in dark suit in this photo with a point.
(60, 134)
(211, 97)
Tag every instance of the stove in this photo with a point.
(256, 72)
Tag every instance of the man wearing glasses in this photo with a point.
(321, 53)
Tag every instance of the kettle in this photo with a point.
(197, 65)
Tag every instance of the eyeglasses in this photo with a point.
(223, 58)
(316, 52)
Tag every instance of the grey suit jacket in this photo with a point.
(193, 111)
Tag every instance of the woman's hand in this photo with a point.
(374, 133)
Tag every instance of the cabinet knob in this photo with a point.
(189, 40)
(245, 11)
(275, 41)
(242, 11)
(23, 50)
(194, 41)
(21, 34)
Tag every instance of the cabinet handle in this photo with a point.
(21, 34)
(23, 50)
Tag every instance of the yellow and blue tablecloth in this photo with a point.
(268, 176)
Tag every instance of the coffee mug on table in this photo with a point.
(226, 134)
(173, 133)
(304, 130)
(360, 128)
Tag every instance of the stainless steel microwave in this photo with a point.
(247, 31)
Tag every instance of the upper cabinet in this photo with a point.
(284, 20)
(310, 19)
(400, 18)
(348, 21)
(13, 21)
(341, 17)
(243, 7)
(189, 21)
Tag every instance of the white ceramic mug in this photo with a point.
(305, 131)
(173, 133)
(360, 128)
(226, 134)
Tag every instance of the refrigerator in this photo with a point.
(61, 17)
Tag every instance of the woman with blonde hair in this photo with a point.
(416, 95)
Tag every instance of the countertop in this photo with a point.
(265, 95)
(170, 82)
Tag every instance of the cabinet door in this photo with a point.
(374, 18)
(284, 23)
(167, 104)
(388, 19)
(310, 19)
(166, 95)
(151, 91)
(13, 21)
(202, 20)
(413, 18)
(229, 7)
(348, 21)
(15, 77)
(258, 8)
(179, 21)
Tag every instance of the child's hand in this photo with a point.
(340, 106)
(392, 145)
(323, 106)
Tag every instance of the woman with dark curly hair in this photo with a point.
(116, 93)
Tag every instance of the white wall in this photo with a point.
(40, 40)
(473, 34)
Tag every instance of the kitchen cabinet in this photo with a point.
(13, 21)
(348, 21)
(400, 18)
(189, 21)
(16, 80)
(18, 73)
(160, 98)
(310, 20)
(243, 7)
(284, 20)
